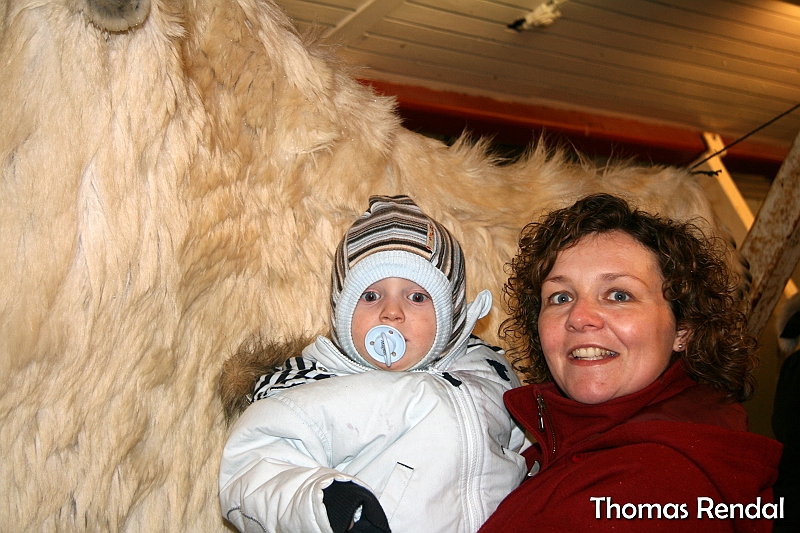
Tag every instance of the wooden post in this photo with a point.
(729, 204)
(772, 245)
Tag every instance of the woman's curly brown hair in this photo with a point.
(697, 283)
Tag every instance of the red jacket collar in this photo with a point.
(558, 422)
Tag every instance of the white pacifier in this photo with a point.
(385, 344)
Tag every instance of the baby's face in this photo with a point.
(406, 307)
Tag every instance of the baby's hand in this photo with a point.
(343, 498)
(362, 526)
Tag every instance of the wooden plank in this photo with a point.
(715, 146)
(773, 244)
(617, 67)
(729, 204)
(611, 21)
(717, 23)
(613, 93)
(361, 20)
(622, 65)
(664, 61)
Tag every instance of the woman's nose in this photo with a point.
(584, 314)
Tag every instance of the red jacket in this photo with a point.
(667, 445)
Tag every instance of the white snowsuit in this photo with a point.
(436, 447)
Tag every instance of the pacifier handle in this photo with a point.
(385, 344)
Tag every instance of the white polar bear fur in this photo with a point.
(171, 191)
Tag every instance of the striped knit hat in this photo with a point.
(395, 239)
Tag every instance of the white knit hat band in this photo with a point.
(393, 264)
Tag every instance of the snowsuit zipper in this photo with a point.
(473, 460)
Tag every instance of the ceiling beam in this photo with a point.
(361, 20)
(515, 122)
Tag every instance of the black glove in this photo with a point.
(341, 500)
(362, 526)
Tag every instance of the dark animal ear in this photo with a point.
(116, 15)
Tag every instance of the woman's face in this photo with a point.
(606, 329)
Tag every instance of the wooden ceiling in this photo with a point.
(630, 77)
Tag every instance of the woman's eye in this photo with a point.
(560, 298)
(370, 296)
(620, 296)
(418, 297)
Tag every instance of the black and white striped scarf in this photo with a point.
(294, 372)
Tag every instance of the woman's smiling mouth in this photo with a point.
(591, 354)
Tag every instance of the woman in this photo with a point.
(626, 325)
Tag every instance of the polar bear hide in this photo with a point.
(175, 176)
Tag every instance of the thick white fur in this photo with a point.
(171, 191)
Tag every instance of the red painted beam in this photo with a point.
(513, 123)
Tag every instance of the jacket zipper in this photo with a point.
(465, 404)
(542, 415)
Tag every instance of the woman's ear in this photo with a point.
(681, 340)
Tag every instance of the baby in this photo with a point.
(396, 422)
